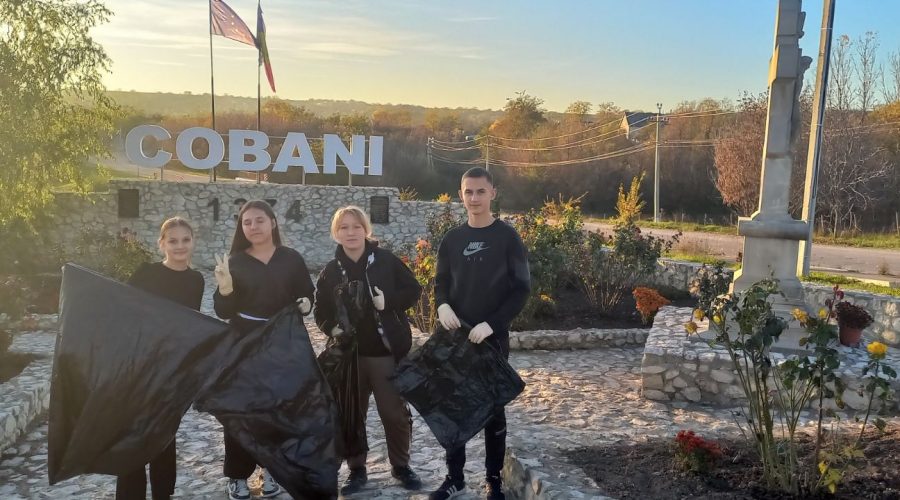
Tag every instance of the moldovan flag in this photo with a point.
(261, 45)
(225, 22)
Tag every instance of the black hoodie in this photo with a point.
(376, 267)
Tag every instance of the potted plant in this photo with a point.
(852, 320)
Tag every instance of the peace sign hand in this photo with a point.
(223, 275)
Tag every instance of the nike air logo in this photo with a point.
(474, 247)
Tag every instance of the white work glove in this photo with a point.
(304, 305)
(223, 275)
(480, 332)
(378, 298)
(447, 317)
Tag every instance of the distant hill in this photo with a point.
(168, 104)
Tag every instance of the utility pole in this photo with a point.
(428, 146)
(811, 185)
(656, 167)
(487, 153)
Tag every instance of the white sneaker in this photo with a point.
(269, 487)
(238, 489)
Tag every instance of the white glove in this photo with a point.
(337, 331)
(223, 275)
(304, 305)
(480, 332)
(447, 317)
(378, 298)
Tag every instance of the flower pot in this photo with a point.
(850, 336)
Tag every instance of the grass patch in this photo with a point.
(864, 240)
(701, 258)
(861, 240)
(848, 283)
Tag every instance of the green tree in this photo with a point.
(521, 116)
(54, 114)
(579, 110)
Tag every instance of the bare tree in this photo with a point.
(840, 74)
(890, 89)
(853, 166)
(867, 70)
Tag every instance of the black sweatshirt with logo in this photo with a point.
(482, 273)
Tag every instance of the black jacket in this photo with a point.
(395, 280)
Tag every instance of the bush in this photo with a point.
(647, 302)
(695, 454)
(117, 256)
(605, 274)
(14, 297)
(778, 394)
(549, 235)
(422, 259)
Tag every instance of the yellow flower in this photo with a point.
(717, 319)
(691, 327)
(698, 314)
(800, 315)
(823, 313)
(877, 350)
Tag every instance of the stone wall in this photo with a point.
(885, 310)
(676, 367)
(304, 214)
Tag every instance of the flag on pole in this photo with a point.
(261, 45)
(225, 22)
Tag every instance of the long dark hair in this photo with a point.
(240, 242)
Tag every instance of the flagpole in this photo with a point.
(258, 68)
(212, 84)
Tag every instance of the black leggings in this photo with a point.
(162, 478)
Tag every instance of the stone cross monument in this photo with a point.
(771, 235)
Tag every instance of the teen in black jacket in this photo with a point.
(383, 288)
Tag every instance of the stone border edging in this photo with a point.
(552, 340)
(23, 398)
(29, 322)
(527, 479)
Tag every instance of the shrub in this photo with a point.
(117, 256)
(647, 302)
(852, 316)
(549, 234)
(695, 454)
(777, 395)
(14, 297)
(605, 274)
(408, 193)
(629, 205)
(422, 260)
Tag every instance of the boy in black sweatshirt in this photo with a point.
(482, 279)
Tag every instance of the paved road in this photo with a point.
(119, 163)
(862, 262)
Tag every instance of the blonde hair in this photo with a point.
(355, 211)
(173, 222)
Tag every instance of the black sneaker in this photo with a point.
(494, 487)
(450, 488)
(355, 481)
(407, 477)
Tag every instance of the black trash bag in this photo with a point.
(127, 366)
(340, 365)
(456, 386)
(277, 404)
